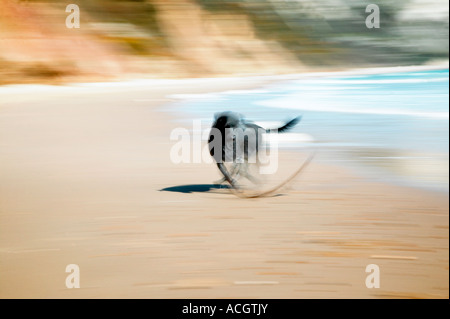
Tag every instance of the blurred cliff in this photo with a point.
(192, 38)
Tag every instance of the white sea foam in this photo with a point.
(289, 138)
(354, 110)
(373, 81)
(237, 92)
(196, 96)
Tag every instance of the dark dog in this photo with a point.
(235, 140)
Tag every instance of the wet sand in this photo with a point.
(86, 179)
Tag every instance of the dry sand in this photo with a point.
(81, 174)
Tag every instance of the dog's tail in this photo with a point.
(285, 127)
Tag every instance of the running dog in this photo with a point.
(235, 140)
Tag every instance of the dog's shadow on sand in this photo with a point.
(194, 188)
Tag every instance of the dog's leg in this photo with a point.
(226, 174)
(233, 173)
(245, 172)
(236, 169)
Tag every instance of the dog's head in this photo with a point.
(227, 120)
(221, 133)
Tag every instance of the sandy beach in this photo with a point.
(86, 179)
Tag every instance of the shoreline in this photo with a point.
(370, 172)
(224, 85)
(401, 168)
(139, 81)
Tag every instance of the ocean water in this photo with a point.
(394, 123)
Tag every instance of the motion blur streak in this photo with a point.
(88, 186)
